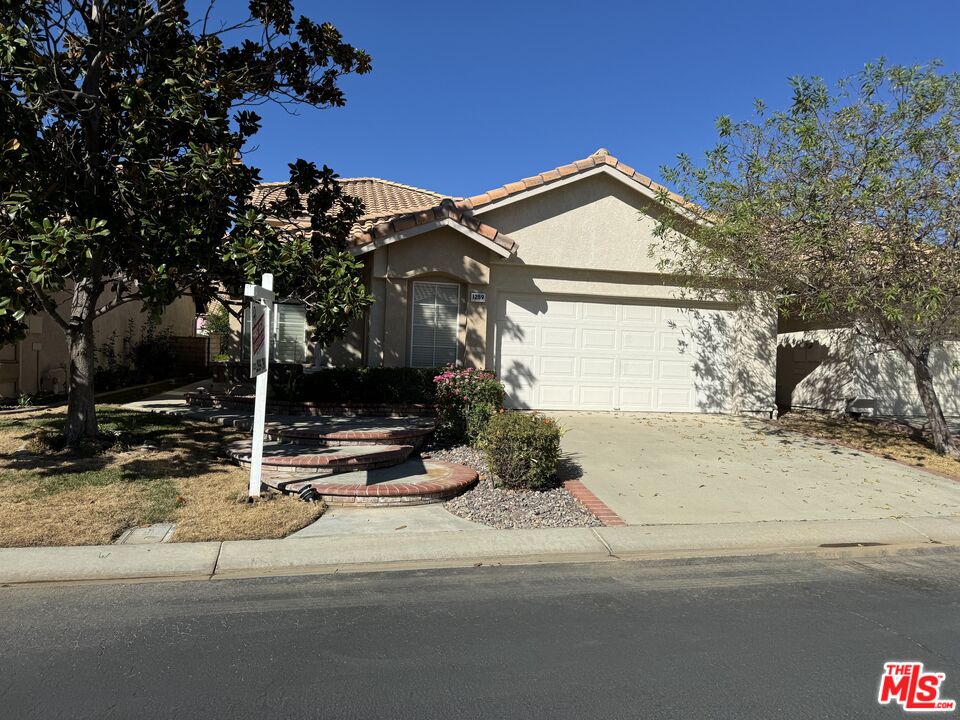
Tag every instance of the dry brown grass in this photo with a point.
(888, 439)
(172, 471)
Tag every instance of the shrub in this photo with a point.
(150, 357)
(402, 386)
(466, 399)
(154, 355)
(522, 449)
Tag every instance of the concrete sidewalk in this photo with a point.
(328, 554)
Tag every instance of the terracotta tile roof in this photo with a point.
(600, 158)
(447, 209)
(382, 199)
(392, 207)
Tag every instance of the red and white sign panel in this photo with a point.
(258, 339)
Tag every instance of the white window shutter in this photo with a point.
(435, 324)
(290, 333)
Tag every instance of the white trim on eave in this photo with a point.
(427, 227)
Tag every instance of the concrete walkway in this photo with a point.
(679, 468)
(170, 401)
(386, 521)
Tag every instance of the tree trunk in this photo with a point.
(81, 408)
(939, 430)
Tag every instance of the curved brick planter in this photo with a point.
(402, 484)
(287, 458)
(414, 432)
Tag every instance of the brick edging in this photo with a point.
(591, 502)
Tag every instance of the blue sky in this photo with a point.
(467, 96)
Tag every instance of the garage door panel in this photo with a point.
(558, 396)
(513, 333)
(520, 370)
(636, 398)
(673, 315)
(599, 340)
(558, 337)
(597, 397)
(561, 309)
(519, 312)
(632, 370)
(600, 311)
(673, 370)
(677, 399)
(607, 355)
(642, 341)
(558, 367)
(646, 314)
(602, 368)
(522, 398)
(671, 342)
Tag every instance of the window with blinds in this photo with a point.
(289, 334)
(435, 324)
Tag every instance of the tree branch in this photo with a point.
(49, 306)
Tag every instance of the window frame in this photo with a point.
(413, 295)
(274, 334)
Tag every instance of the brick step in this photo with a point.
(331, 432)
(288, 459)
(414, 482)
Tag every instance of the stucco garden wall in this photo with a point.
(31, 363)
(826, 369)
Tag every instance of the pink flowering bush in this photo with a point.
(466, 398)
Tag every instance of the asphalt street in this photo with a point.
(763, 638)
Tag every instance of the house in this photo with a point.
(38, 363)
(552, 281)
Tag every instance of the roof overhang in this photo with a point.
(451, 223)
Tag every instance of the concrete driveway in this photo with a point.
(679, 468)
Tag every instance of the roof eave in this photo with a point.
(502, 246)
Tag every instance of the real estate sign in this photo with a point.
(260, 307)
(259, 338)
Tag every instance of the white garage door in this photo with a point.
(563, 354)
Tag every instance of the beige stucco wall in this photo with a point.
(45, 346)
(825, 369)
(595, 223)
(587, 239)
(441, 255)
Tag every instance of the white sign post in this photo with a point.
(261, 308)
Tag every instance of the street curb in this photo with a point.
(108, 562)
(466, 548)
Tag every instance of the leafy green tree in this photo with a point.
(846, 206)
(122, 177)
(217, 324)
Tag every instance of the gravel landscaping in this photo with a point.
(510, 509)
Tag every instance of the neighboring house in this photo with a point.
(551, 281)
(39, 362)
(834, 370)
